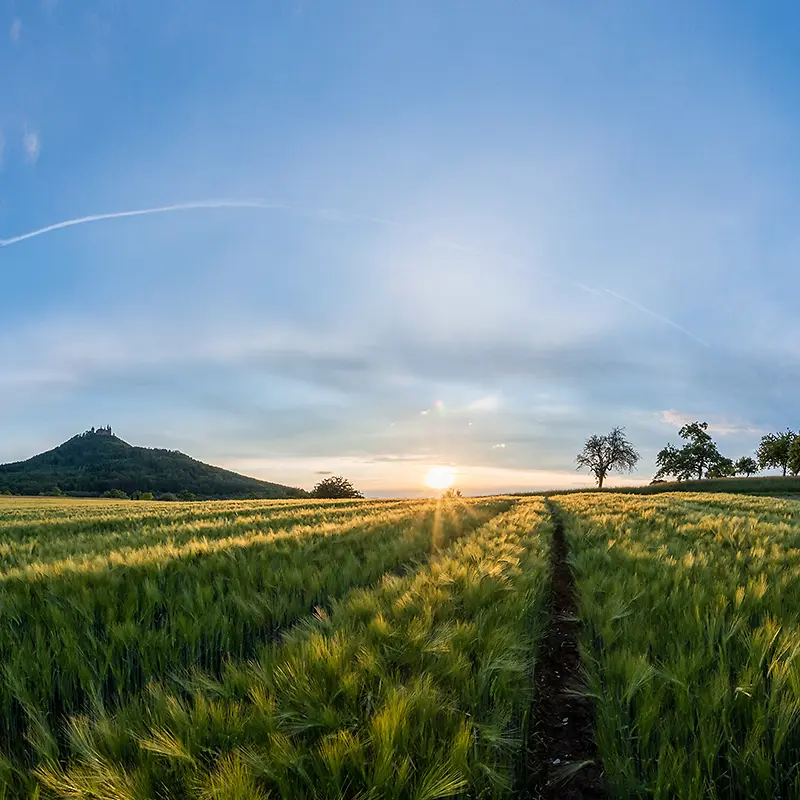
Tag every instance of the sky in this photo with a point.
(386, 236)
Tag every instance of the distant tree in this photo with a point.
(335, 487)
(603, 453)
(449, 494)
(724, 468)
(168, 497)
(146, 496)
(773, 451)
(186, 496)
(693, 459)
(746, 466)
(671, 463)
(116, 494)
(794, 456)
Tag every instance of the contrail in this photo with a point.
(657, 316)
(141, 212)
(264, 205)
(317, 212)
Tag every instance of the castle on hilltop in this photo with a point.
(99, 431)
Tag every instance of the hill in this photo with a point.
(95, 462)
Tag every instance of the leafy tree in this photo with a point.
(334, 488)
(186, 495)
(724, 468)
(746, 466)
(794, 456)
(694, 458)
(449, 494)
(773, 451)
(168, 497)
(603, 453)
(146, 496)
(116, 494)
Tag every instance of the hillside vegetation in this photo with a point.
(768, 486)
(97, 461)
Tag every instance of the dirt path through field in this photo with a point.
(563, 754)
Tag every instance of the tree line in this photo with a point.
(334, 488)
(697, 458)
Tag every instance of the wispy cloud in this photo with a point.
(15, 30)
(393, 478)
(500, 446)
(678, 419)
(33, 146)
(490, 402)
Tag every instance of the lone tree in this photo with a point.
(746, 466)
(694, 458)
(335, 488)
(773, 451)
(601, 454)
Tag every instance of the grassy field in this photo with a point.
(691, 606)
(388, 649)
(302, 649)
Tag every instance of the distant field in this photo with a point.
(343, 649)
(770, 486)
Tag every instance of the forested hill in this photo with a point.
(96, 462)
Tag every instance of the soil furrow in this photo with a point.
(563, 755)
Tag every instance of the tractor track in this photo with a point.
(562, 754)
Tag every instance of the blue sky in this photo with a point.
(460, 233)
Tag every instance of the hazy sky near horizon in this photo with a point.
(418, 233)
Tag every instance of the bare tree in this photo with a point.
(612, 451)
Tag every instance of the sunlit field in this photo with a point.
(344, 649)
(691, 606)
(254, 649)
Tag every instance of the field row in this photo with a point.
(691, 605)
(418, 687)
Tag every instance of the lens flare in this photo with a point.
(440, 477)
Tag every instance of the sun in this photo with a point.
(440, 477)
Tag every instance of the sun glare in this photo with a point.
(440, 477)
